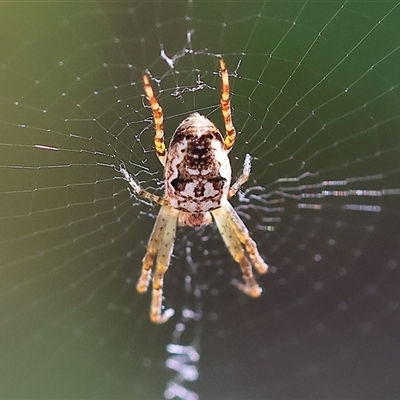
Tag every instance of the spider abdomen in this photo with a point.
(197, 171)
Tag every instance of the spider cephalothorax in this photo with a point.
(197, 185)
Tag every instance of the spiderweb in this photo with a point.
(315, 92)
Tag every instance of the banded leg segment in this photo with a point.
(153, 247)
(240, 230)
(158, 116)
(166, 245)
(160, 245)
(226, 107)
(232, 242)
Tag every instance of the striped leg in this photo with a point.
(169, 218)
(240, 230)
(153, 246)
(234, 234)
(158, 116)
(226, 107)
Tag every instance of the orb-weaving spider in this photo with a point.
(197, 185)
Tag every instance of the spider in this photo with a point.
(197, 175)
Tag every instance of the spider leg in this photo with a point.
(158, 116)
(152, 248)
(135, 185)
(229, 231)
(226, 107)
(242, 178)
(168, 218)
(244, 236)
